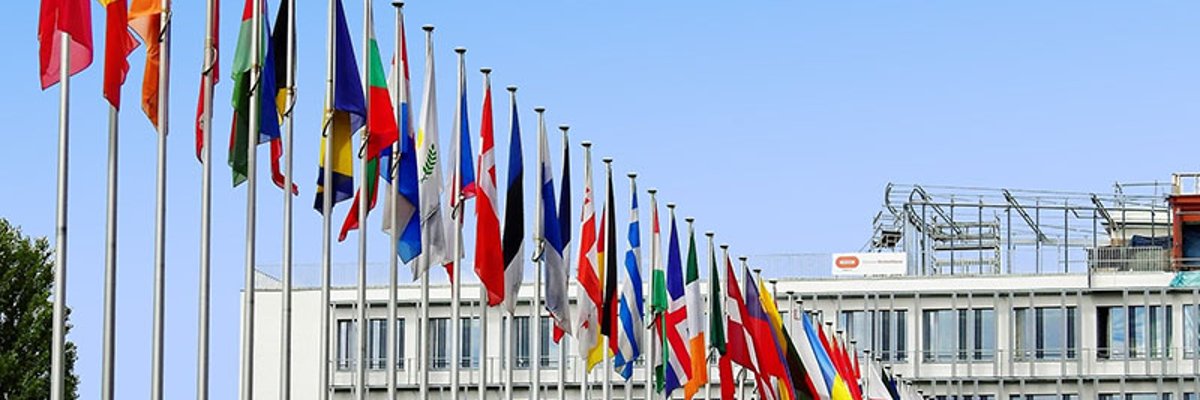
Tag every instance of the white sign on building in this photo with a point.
(860, 264)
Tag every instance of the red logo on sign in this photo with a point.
(846, 262)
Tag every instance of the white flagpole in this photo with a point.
(587, 168)
(110, 263)
(57, 362)
(160, 211)
(457, 214)
(360, 381)
(539, 249)
(510, 355)
(564, 345)
(652, 341)
(251, 210)
(327, 206)
(607, 390)
(423, 332)
(710, 353)
(483, 296)
(394, 232)
(210, 57)
(645, 339)
(285, 345)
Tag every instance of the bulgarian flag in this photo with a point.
(382, 132)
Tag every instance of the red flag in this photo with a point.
(725, 369)
(118, 44)
(74, 18)
(489, 257)
(739, 349)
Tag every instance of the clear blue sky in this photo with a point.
(776, 124)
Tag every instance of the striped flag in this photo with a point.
(677, 362)
(347, 116)
(118, 44)
(268, 85)
(564, 221)
(403, 213)
(812, 368)
(758, 324)
(381, 127)
(463, 175)
(513, 242)
(608, 309)
(587, 330)
(434, 249)
(550, 239)
(740, 344)
(658, 298)
(73, 17)
(694, 297)
(629, 335)
(489, 256)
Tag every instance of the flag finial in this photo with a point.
(743, 258)
(398, 4)
(631, 174)
(512, 88)
(460, 50)
(652, 190)
(670, 205)
(607, 160)
(539, 109)
(724, 246)
(710, 234)
(689, 219)
(564, 127)
(427, 28)
(485, 70)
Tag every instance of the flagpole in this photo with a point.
(742, 380)
(251, 198)
(510, 356)
(645, 339)
(607, 388)
(457, 213)
(651, 340)
(327, 205)
(539, 250)
(160, 211)
(110, 263)
(285, 352)
(563, 345)
(360, 380)
(483, 295)
(588, 199)
(423, 332)
(709, 353)
(57, 360)
(394, 231)
(205, 204)
(757, 284)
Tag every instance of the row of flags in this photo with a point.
(739, 325)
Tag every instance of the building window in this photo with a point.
(959, 335)
(346, 337)
(1041, 332)
(549, 349)
(1044, 397)
(377, 343)
(468, 342)
(1191, 331)
(1135, 396)
(886, 329)
(965, 397)
(521, 341)
(400, 343)
(439, 341)
(1133, 332)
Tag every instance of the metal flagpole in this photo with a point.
(360, 381)
(327, 205)
(653, 344)
(110, 262)
(757, 282)
(539, 249)
(57, 362)
(251, 198)
(710, 353)
(483, 296)
(394, 232)
(285, 345)
(607, 388)
(645, 339)
(457, 214)
(742, 378)
(563, 345)
(423, 323)
(160, 211)
(508, 329)
(210, 58)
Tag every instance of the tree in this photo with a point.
(26, 318)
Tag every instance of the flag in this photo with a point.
(564, 218)
(489, 256)
(403, 213)
(717, 320)
(836, 386)
(145, 17)
(347, 116)
(269, 86)
(463, 175)
(739, 345)
(678, 363)
(658, 299)
(798, 388)
(608, 311)
(549, 239)
(812, 367)
(212, 71)
(118, 44)
(629, 335)
(877, 389)
(433, 220)
(381, 127)
(758, 323)
(513, 242)
(56, 17)
(697, 345)
(892, 387)
(587, 327)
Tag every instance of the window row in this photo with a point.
(440, 342)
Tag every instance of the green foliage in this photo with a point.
(26, 318)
